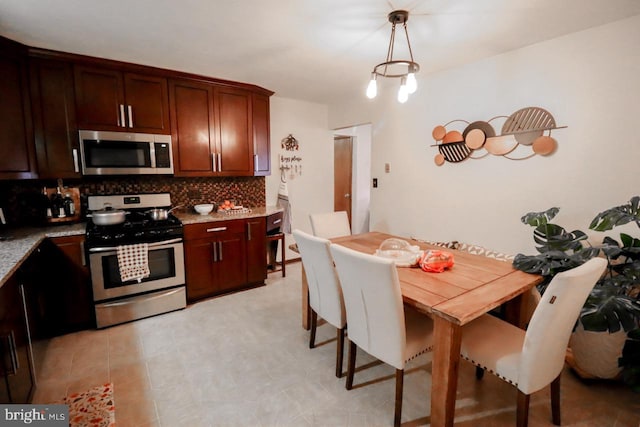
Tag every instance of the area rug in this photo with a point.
(92, 408)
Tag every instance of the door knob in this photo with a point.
(346, 196)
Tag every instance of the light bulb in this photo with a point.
(403, 92)
(372, 89)
(412, 84)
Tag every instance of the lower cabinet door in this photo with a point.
(199, 264)
(15, 351)
(231, 264)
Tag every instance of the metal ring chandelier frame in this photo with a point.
(389, 68)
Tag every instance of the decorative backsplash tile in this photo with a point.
(20, 199)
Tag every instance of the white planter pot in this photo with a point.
(597, 353)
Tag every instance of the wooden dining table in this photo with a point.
(472, 287)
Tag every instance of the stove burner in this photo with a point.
(137, 228)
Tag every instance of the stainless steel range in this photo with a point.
(163, 287)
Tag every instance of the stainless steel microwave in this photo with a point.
(124, 153)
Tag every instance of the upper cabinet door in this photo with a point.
(235, 135)
(261, 135)
(147, 103)
(192, 124)
(54, 117)
(17, 153)
(99, 99)
(111, 100)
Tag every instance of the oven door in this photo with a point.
(166, 266)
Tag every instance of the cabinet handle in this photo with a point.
(130, 111)
(248, 231)
(215, 251)
(213, 161)
(255, 163)
(122, 123)
(220, 252)
(11, 341)
(212, 230)
(219, 162)
(83, 256)
(76, 166)
(277, 221)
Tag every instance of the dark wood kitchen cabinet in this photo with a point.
(261, 132)
(215, 258)
(17, 381)
(109, 99)
(54, 118)
(216, 131)
(234, 145)
(74, 295)
(192, 127)
(211, 129)
(58, 288)
(17, 151)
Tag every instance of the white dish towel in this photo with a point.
(133, 261)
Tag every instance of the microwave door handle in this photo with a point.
(152, 154)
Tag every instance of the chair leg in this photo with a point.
(314, 324)
(351, 364)
(397, 416)
(340, 351)
(555, 400)
(479, 372)
(522, 411)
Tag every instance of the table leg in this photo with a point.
(515, 310)
(306, 313)
(444, 371)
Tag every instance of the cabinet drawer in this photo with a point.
(211, 229)
(274, 221)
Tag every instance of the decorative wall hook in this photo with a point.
(525, 127)
(289, 143)
(290, 163)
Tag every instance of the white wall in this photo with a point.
(589, 81)
(361, 175)
(312, 191)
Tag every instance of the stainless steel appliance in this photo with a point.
(164, 289)
(124, 153)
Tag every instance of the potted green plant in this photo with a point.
(612, 309)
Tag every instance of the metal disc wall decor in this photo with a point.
(524, 128)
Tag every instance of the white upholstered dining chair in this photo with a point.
(378, 321)
(325, 294)
(532, 359)
(330, 224)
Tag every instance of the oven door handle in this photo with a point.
(151, 245)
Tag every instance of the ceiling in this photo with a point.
(314, 50)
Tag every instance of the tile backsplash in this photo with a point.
(20, 198)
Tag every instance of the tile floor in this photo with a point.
(243, 360)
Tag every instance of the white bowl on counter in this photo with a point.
(204, 209)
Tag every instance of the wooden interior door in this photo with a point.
(342, 170)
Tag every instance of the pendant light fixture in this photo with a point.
(399, 68)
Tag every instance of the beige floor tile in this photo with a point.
(243, 360)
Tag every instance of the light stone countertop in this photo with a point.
(22, 242)
(195, 218)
